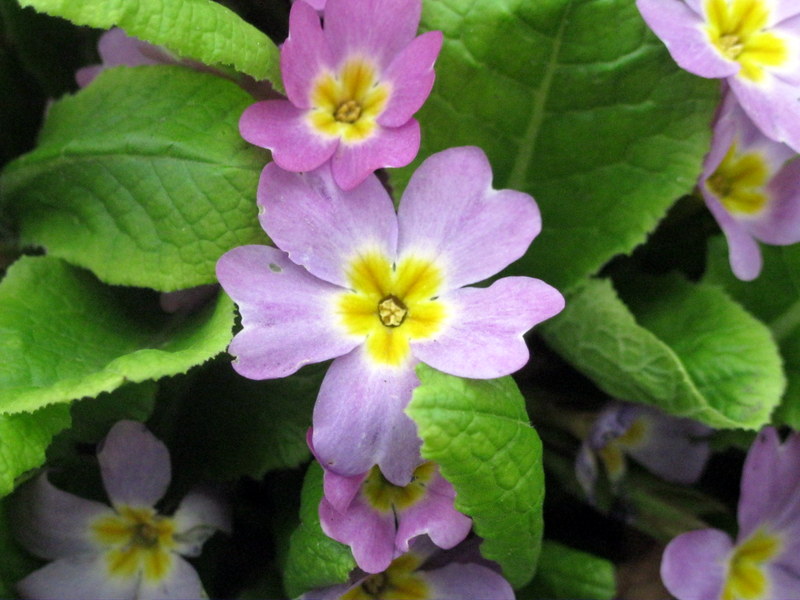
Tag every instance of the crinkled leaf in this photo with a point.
(314, 559)
(200, 29)
(774, 297)
(688, 349)
(479, 434)
(24, 438)
(64, 335)
(141, 177)
(577, 103)
(570, 574)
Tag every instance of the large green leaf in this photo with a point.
(577, 103)
(64, 335)
(774, 297)
(479, 434)
(314, 560)
(688, 349)
(199, 29)
(141, 177)
(570, 574)
(24, 438)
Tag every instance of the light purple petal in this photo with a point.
(411, 76)
(386, 147)
(482, 338)
(340, 491)
(682, 31)
(435, 516)
(780, 223)
(450, 213)
(284, 129)
(200, 514)
(770, 486)
(188, 299)
(359, 419)
(304, 54)
(744, 254)
(77, 577)
(51, 523)
(773, 106)
(181, 583)
(321, 227)
(694, 565)
(369, 533)
(784, 579)
(85, 75)
(466, 582)
(586, 471)
(288, 314)
(134, 464)
(379, 29)
(783, 9)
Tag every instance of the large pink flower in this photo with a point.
(381, 291)
(352, 89)
(753, 44)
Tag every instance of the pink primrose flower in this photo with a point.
(379, 291)
(352, 89)
(753, 44)
(764, 563)
(423, 573)
(127, 550)
(751, 184)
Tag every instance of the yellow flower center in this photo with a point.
(739, 182)
(735, 27)
(139, 541)
(398, 582)
(346, 104)
(391, 305)
(746, 578)
(384, 496)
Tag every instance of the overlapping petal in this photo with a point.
(695, 564)
(199, 515)
(450, 213)
(467, 582)
(337, 225)
(77, 577)
(181, 583)
(304, 54)
(359, 419)
(773, 107)
(135, 465)
(483, 337)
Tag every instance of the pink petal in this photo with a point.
(466, 582)
(304, 54)
(200, 514)
(288, 315)
(450, 213)
(435, 516)
(695, 564)
(281, 127)
(369, 533)
(322, 227)
(359, 419)
(743, 251)
(340, 491)
(378, 29)
(77, 577)
(682, 31)
(51, 523)
(483, 335)
(773, 106)
(780, 223)
(181, 583)
(134, 464)
(411, 76)
(386, 147)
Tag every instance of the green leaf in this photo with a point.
(153, 181)
(479, 434)
(570, 574)
(64, 335)
(198, 29)
(24, 438)
(314, 559)
(687, 349)
(576, 103)
(774, 297)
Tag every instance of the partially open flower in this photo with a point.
(352, 89)
(751, 184)
(753, 44)
(127, 550)
(764, 563)
(379, 291)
